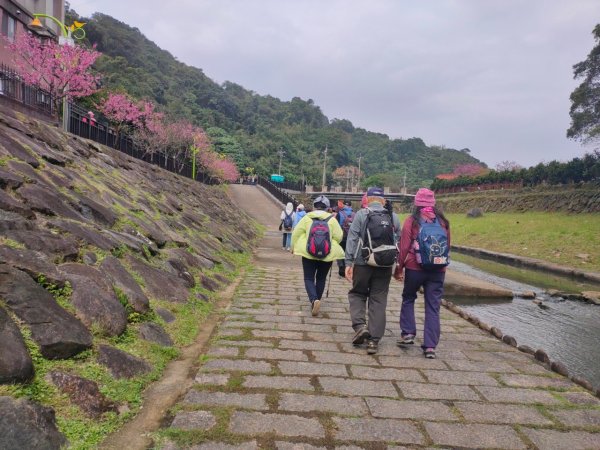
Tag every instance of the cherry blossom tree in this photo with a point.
(126, 114)
(62, 70)
(508, 166)
(469, 170)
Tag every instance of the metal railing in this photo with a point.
(277, 192)
(13, 87)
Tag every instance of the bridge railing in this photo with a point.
(277, 192)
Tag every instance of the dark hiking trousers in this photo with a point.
(315, 277)
(372, 284)
(433, 285)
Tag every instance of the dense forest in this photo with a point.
(252, 128)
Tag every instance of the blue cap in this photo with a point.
(375, 192)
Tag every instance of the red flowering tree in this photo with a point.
(127, 114)
(62, 70)
(469, 170)
(218, 167)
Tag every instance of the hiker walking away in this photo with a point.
(345, 217)
(370, 254)
(423, 255)
(317, 239)
(287, 222)
(298, 215)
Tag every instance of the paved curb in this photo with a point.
(528, 262)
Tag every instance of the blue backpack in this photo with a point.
(431, 246)
(287, 222)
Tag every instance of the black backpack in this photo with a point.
(287, 222)
(319, 240)
(348, 219)
(378, 243)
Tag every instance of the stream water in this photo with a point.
(568, 330)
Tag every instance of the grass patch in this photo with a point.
(554, 237)
(10, 243)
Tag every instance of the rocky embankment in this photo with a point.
(580, 198)
(104, 263)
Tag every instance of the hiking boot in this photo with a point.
(316, 305)
(360, 335)
(406, 339)
(342, 272)
(372, 347)
(429, 353)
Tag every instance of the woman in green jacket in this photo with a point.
(316, 268)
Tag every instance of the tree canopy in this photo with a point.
(251, 128)
(585, 99)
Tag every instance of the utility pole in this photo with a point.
(359, 160)
(302, 170)
(280, 153)
(323, 188)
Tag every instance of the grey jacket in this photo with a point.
(354, 243)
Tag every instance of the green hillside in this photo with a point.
(252, 128)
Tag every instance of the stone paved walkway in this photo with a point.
(277, 378)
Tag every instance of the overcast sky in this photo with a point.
(493, 76)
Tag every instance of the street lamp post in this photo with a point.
(281, 152)
(359, 160)
(323, 187)
(68, 33)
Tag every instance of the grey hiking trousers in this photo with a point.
(372, 284)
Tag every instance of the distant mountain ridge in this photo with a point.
(251, 128)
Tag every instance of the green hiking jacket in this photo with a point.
(300, 236)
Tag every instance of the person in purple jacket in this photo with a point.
(415, 276)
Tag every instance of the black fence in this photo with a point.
(14, 88)
(85, 124)
(277, 192)
(290, 186)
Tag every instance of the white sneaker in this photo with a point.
(315, 307)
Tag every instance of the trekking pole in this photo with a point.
(329, 282)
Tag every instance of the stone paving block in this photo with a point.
(501, 413)
(267, 353)
(219, 379)
(305, 327)
(436, 391)
(251, 343)
(252, 445)
(224, 351)
(531, 381)
(290, 312)
(347, 386)
(457, 345)
(329, 337)
(531, 368)
(194, 420)
(578, 418)
(344, 358)
(230, 332)
(241, 324)
(243, 365)
(572, 440)
(279, 424)
(277, 319)
(296, 446)
(309, 345)
(408, 409)
(378, 430)
(310, 368)
(468, 337)
(516, 395)
(248, 401)
(412, 362)
(460, 377)
(278, 334)
(489, 366)
(581, 398)
(376, 373)
(309, 403)
(474, 436)
(276, 382)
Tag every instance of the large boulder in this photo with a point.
(49, 243)
(28, 425)
(83, 393)
(34, 263)
(58, 333)
(160, 284)
(153, 332)
(11, 143)
(189, 259)
(48, 202)
(87, 234)
(9, 203)
(94, 299)
(15, 363)
(95, 211)
(475, 213)
(121, 364)
(124, 281)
